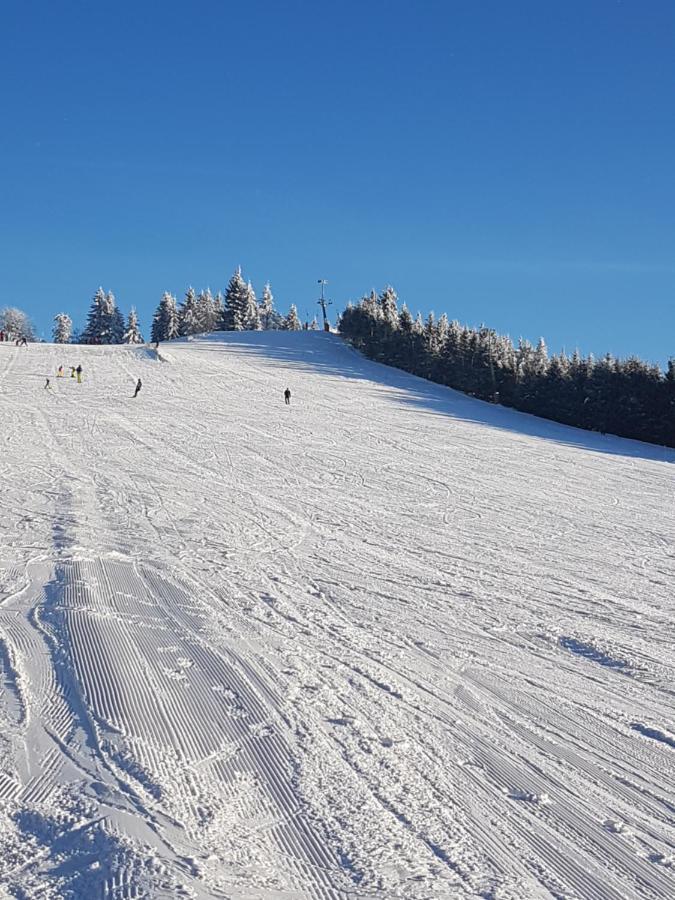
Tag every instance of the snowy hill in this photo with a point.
(387, 642)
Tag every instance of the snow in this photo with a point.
(388, 642)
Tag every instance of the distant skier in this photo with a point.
(287, 396)
(23, 341)
(139, 385)
(47, 384)
(78, 370)
(59, 372)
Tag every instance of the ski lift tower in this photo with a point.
(323, 303)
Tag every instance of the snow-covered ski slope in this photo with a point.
(387, 642)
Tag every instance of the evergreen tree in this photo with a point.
(292, 322)
(188, 315)
(132, 335)
(63, 328)
(206, 312)
(314, 325)
(388, 300)
(105, 324)
(218, 311)
(252, 314)
(236, 309)
(115, 332)
(406, 320)
(266, 310)
(165, 322)
(96, 319)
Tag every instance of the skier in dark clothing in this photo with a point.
(139, 385)
(78, 370)
(287, 396)
(47, 384)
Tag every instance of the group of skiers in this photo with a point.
(76, 372)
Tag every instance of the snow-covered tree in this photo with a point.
(292, 322)
(189, 314)
(16, 323)
(314, 325)
(63, 328)
(116, 320)
(252, 317)
(442, 329)
(266, 309)
(105, 324)
(218, 311)
(431, 334)
(388, 300)
(206, 312)
(406, 320)
(539, 362)
(132, 335)
(165, 321)
(235, 311)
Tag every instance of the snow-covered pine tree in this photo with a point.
(206, 312)
(218, 311)
(116, 319)
(314, 325)
(188, 314)
(93, 330)
(442, 330)
(430, 334)
(266, 309)
(165, 320)
(292, 322)
(406, 320)
(133, 335)
(539, 361)
(63, 328)
(524, 354)
(252, 316)
(418, 324)
(236, 304)
(388, 305)
(371, 305)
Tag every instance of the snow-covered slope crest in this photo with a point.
(383, 642)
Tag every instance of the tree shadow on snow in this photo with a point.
(329, 355)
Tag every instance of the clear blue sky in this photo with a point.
(505, 162)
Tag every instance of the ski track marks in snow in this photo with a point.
(389, 642)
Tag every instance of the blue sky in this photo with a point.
(504, 162)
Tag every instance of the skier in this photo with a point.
(47, 384)
(23, 342)
(59, 372)
(287, 396)
(79, 374)
(139, 385)
(72, 371)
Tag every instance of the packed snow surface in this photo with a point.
(385, 642)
